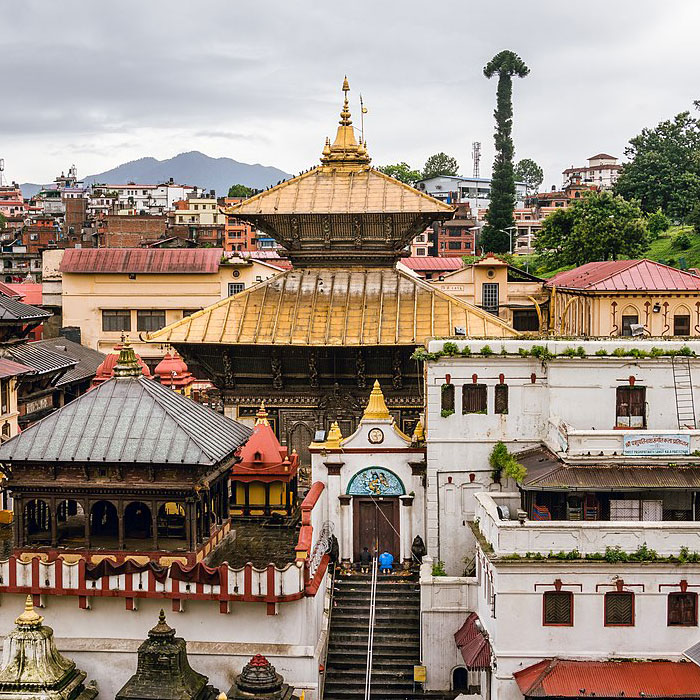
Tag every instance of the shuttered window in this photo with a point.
(558, 608)
(474, 398)
(630, 404)
(500, 404)
(447, 397)
(681, 325)
(619, 608)
(682, 609)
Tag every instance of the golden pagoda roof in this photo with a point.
(334, 307)
(376, 406)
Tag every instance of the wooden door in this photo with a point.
(376, 525)
(299, 439)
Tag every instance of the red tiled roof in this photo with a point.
(601, 155)
(142, 260)
(432, 263)
(584, 679)
(626, 275)
(475, 648)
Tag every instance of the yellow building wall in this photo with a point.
(85, 296)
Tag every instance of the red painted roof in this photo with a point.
(626, 275)
(601, 155)
(430, 262)
(8, 368)
(6, 290)
(29, 292)
(651, 679)
(475, 648)
(141, 260)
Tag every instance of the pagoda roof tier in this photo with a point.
(334, 307)
(343, 210)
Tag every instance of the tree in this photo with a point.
(664, 168)
(402, 172)
(657, 223)
(499, 217)
(239, 191)
(2, 221)
(530, 173)
(693, 218)
(599, 226)
(439, 164)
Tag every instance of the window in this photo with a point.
(454, 245)
(5, 396)
(150, 320)
(489, 297)
(500, 404)
(116, 320)
(5, 434)
(420, 251)
(474, 398)
(447, 397)
(682, 609)
(681, 325)
(630, 404)
(627, 322)
(235, 288)
(526, 320)
(558, 608)
(619, 609)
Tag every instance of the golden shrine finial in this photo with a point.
(418, 433)
(29, 617)
(334, 437)
(127, 364)
(345, 150)
(376, 406)
(261, 415)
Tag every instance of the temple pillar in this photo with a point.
(267, 498)
(246, 498)
(18, 505)
(154, 524)
(54, 523)
(120, 524)
(345, 539)
(88, 518)
(335, 509)
(406, 527)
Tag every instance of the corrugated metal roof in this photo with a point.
(8, 368)
(605, 679)
(88, 360)
(7, 291)
(545, 471)
(141, 260)
(14, 310)
(39, 358)
(334, 307)
(130, 420)
(626, 275)
(473, 645)
(430, 262)
(331, 190)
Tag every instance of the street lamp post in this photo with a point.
(509, 232)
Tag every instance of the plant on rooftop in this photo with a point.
(439, 568)
(541, 352)
(502, 462)
(486, 351)
(447, 412)
(450, 349)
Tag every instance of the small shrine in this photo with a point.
(106, 370)
(265, 480)
(164, 672)
(129, 467)
(375, 484)
(259, 680)
(32, 667)
(172, 371)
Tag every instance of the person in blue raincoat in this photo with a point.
(386, 562)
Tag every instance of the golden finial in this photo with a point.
(376, 406)
(29, 617)
(345, 150)
(261, 415)
(222, 696)
(418, 433)
(334, 437)
(127, 364)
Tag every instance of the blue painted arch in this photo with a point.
(375, 481)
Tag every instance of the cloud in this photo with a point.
(261, 82)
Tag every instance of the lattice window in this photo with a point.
(682, 609)
(501, 398)
(558, 608)
(619, 608)
(474, 398)
(489, 297)
(447, 397)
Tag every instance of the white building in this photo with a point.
(592, 557)
(473, 190)
(602, 170)
(151, 199)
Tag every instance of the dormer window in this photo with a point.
(257, 457)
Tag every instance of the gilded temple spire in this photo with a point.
(376, 406)
(345, 150)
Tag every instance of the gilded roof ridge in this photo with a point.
(414, 190)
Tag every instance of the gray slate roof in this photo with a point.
(129, 420)
(39, 358)
(88, 359)
(13, 310)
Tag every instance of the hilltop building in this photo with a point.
(344, 314)
(602, 172)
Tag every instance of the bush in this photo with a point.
(657, 223)
(446, 412)
(541, 352)
(502, 462)
(682, 241)
(486, 351)
(450, 349)
(439, 568)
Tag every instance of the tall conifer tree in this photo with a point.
(499, 218)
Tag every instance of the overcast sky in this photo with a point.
(97, 84)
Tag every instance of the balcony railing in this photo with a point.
(523, 536)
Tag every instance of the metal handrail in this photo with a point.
(324, 654)
(370, 635)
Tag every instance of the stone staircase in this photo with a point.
(396, 639)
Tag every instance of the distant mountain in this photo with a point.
(192, 168)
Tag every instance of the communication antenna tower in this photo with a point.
(476, 156)
(2, 172)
